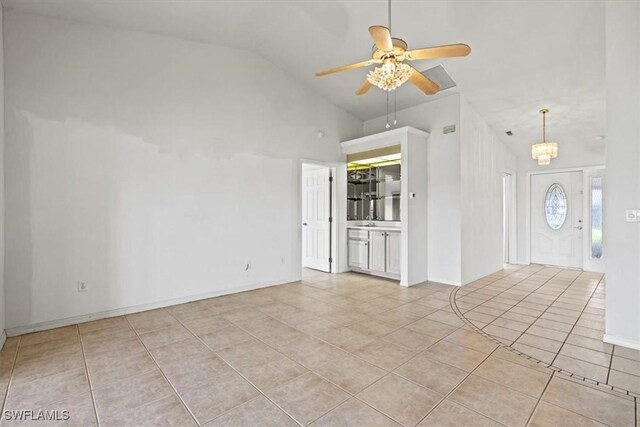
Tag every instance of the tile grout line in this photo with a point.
(544, 390)
(13, 367)
(160, 369)
(86, 371)
(613, 350)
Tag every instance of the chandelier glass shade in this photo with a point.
(544, 151)
(390, 75)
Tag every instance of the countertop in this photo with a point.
(375, 228)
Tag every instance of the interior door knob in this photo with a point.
(579, 227)
(305, 224)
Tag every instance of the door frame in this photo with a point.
(508, 233)
(337, 263)
(585, 208)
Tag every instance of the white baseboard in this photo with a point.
(51, 324)
(623, 342)
(444, 281)
(3, 339)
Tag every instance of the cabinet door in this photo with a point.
(359, 254)
(393, 252)
(377, 250)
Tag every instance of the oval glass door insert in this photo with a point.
(555, 206)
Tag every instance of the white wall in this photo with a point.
(464, 188)
(443, 170)
(150, 167)
(622, 186)
(2, 299)
(484, 158)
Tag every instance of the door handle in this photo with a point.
(579, 227)
(305, 224)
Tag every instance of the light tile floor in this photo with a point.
(330, 350)
(553, 316)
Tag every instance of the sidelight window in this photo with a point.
(596, 217)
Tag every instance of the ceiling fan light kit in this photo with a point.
(544, 151)
(390, 75)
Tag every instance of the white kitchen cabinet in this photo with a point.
(377, 251)
(392, 259)
(359, 254)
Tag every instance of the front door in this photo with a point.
(556, 219)
(316, 211)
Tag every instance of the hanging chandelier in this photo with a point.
(390, 75)
(544, 151)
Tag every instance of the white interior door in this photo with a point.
(556, 219)
(316, 212)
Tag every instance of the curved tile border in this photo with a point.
(456, 310)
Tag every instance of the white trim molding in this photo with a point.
(623, 342)
(43, 326)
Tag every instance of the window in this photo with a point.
(555, 206)
(596, 217)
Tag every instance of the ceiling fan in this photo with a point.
(391, 52)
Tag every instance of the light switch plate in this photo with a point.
(633, 215)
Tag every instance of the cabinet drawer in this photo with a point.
(358, 234)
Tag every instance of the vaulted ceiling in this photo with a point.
(525, 54)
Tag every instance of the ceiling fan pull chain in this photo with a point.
(395, 108)
(388, 125)
(389, 3)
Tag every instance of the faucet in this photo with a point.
(370, 222)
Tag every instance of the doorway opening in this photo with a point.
(317, 212)
(506, 216)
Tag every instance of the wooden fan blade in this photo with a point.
(364, 88)
(446, 51)
(424, 84)
(382, 37)
(345, 67)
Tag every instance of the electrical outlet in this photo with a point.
(82, 286)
